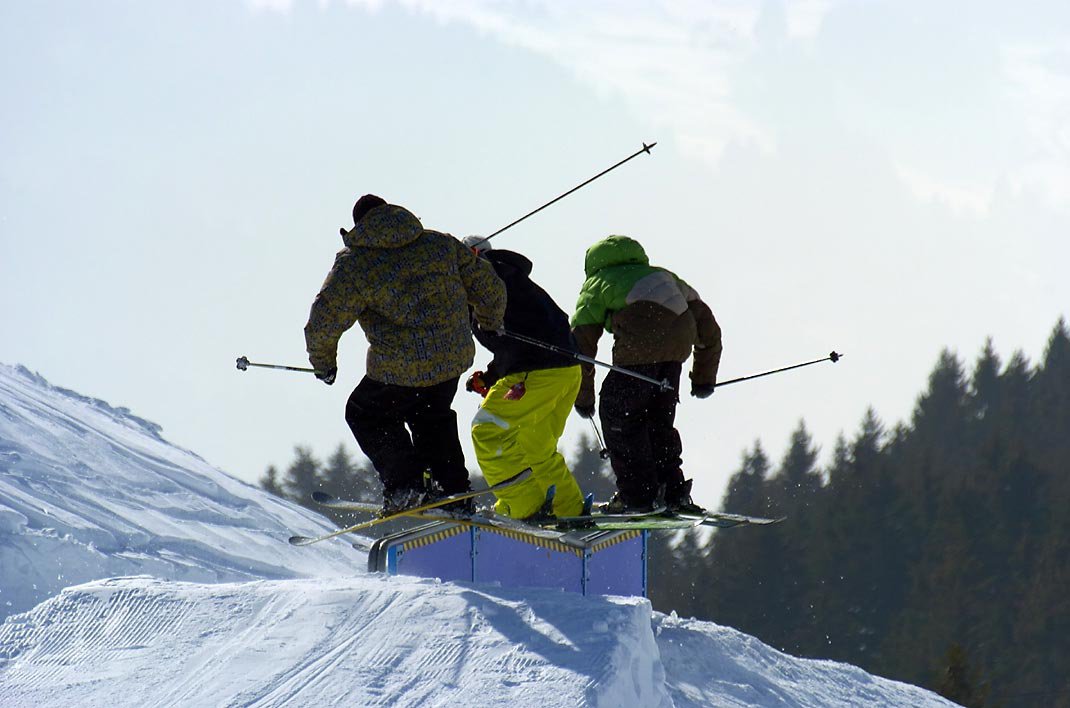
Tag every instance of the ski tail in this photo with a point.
(332, 502)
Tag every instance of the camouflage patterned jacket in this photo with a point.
(409, 288)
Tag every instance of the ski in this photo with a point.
(556, 527)
(332, 502)
(485, 519)
(596, 517)
(659, 519)
(647, 522)
(307, 540)
(724, 520)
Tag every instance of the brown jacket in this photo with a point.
(654, 315)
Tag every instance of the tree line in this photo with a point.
(936, 552)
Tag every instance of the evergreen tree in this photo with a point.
(798, 479)
(856, 551)
(940, 409)
(957, 682)
(593, 474)
(939, 444)
(302, 477)
(337, 472)
(793, 492)
(1052, 400)
(345, 479)
(270, 482)
(746, 489)
(985, 387)
(741, 564)
(839, 473)
(679, 572)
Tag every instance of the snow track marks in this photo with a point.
(369, 641)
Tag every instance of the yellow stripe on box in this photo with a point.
(432, 538)
(626, 536)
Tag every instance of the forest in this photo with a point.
(935, 551)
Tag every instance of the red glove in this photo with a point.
(476, 383)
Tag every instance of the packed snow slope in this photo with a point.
(89, 491)
(217, 610)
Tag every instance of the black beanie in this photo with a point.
(364, 205)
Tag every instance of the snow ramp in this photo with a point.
(393, 641)
(366, 641)
(91, 491)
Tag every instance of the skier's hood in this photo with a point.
(613, 251)
(386, 226)
(512, 259)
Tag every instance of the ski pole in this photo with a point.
(664, 384)
(244, 363)
(602, 451)
(833, 357)
(645, 149)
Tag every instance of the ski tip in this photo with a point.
(321, 497)
(300, 540)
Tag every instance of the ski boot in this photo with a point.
(398, 500)
(545, 514)
(679, 501)
(619, 504)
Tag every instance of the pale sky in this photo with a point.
(884, 178)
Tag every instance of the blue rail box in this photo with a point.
(587, 562)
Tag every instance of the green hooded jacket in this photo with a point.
(409, 288)
(654, 315)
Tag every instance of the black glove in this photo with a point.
(702, 390)
(328, 376)
(585, 411)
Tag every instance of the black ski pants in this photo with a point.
(639, 423)
(378, 414)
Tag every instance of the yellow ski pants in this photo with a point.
(512, 435)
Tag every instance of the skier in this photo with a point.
(410, 289)
(527, 392)
(656, 320)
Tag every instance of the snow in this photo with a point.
(89, 491)
(133, 573)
